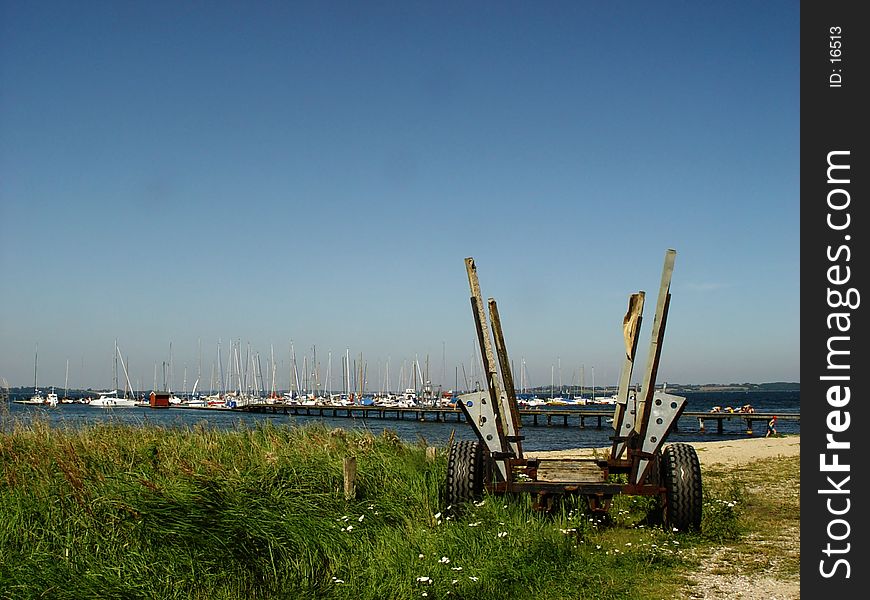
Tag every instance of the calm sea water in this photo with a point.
(537, 438)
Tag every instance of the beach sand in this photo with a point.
(727, 452)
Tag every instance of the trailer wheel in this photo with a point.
(681, 477)
(465, 465)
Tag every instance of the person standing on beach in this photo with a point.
(771, 427)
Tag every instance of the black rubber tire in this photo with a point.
(681, 477)
(465, 472)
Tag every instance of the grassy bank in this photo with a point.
(112, 511)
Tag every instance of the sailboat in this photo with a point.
(66, 399)
(37, 397)
(601, 399)
(556, 400)
(580, 399)
(110, 399)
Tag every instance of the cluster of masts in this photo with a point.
(245, 376)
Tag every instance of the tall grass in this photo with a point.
(113, 511)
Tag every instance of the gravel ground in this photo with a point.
(718, 577)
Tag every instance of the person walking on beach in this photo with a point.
(771, 427)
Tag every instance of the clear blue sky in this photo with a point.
(317, 171)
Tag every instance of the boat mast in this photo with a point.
(199, 365)
(273, 392)
(290, 371)
(245, 386)
(126, 375)
(593, 385)
(220, 369)
(36, 371)
(261, 386)
(327, 388)
(362, 378)
(238, 366)
(295, 370)
(315, 375)
(347, 373)
(115, 368)
(386, 390)
(523, 374)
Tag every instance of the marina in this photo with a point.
(549, 427)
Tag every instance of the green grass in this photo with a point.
(112, 511)
(766, 535)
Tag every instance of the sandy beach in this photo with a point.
(727, 452)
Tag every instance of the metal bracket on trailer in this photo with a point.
(623, 425)
(480, 413)
(662, 417)
(665, 410)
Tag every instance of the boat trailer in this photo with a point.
(638, 462)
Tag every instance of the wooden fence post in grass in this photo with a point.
(349, 477)
(430, 453)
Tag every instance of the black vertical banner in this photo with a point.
(835, 430)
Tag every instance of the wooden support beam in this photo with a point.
(623, 422)
(644, 400)
(502, 423)
(508, 402)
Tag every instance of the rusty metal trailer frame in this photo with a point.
(642, 421)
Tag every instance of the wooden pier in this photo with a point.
(580, 418)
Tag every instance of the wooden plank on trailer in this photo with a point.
(570, 470)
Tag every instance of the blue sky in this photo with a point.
(317, 171)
